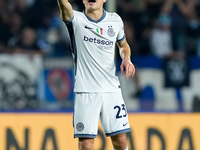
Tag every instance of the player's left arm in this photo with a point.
(125, 53)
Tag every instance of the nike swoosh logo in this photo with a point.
(125, 124)
(88, 27)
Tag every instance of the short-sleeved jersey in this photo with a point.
(93, 46)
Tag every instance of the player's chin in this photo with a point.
(91, 8)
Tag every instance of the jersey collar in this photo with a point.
(90, 19)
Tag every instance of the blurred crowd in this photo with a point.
(32, 27)
(163, 28)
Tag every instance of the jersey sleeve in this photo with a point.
(121, 34)
(73, 19)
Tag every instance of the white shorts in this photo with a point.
(108, 107)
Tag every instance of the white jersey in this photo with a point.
(93, 46)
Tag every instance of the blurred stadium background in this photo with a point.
(36, 74)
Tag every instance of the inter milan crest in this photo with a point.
(111, 31)
(80, 126)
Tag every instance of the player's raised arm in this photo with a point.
(66, 10)
(125, 53)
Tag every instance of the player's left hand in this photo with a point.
(128, 66)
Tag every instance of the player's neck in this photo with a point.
(95, 15)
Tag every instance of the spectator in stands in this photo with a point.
(22, 7)
(185, 24)
(4, 19)
(15, 27)
(193, 26)
(152, 11)
(141, 13)
(11, 30)
(27, 44)
(176, 9)
(161, 39)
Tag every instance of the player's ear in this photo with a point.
(104, 1)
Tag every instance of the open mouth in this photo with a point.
(92, 1)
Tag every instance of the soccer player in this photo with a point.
(93, 35)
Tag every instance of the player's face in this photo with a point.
(93, 4)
